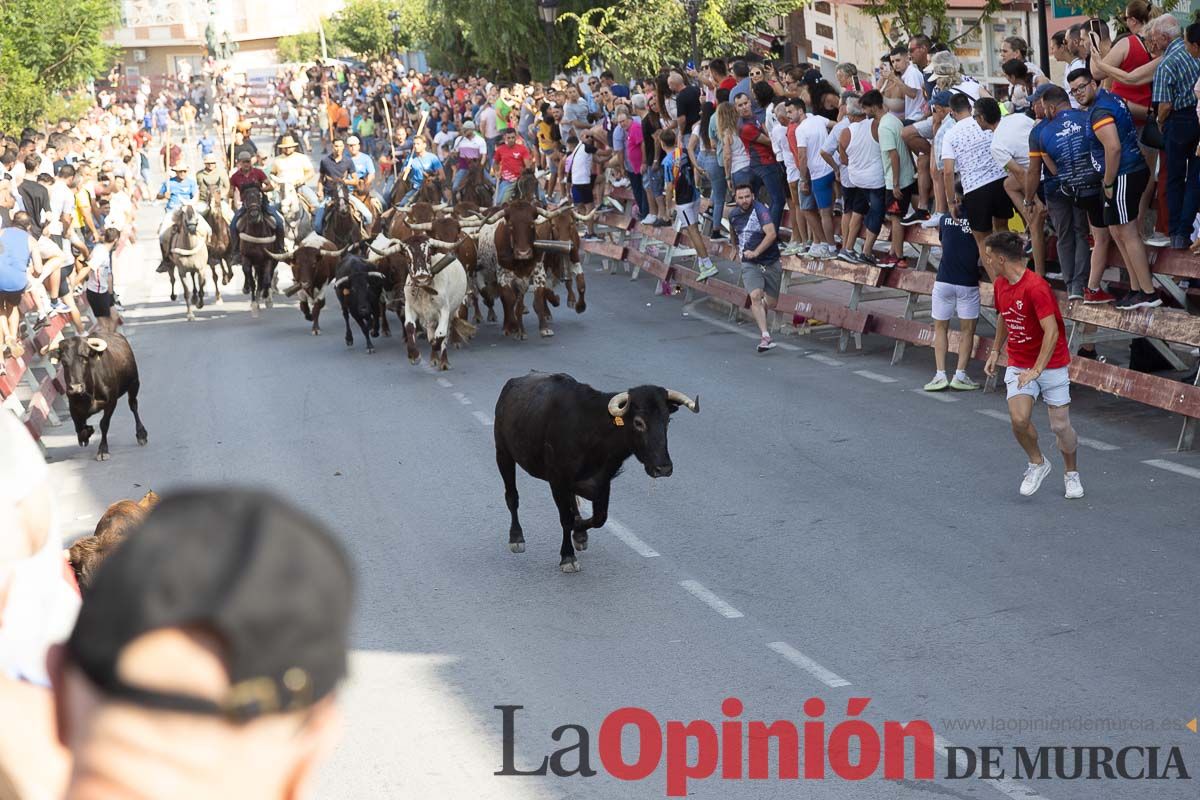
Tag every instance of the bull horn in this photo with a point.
(421, 226)
(283, 256)
(552, 246)
(379, 275)
(391, 244)
(438, 244)
(442, 263)
(681, 398)
(337, 284)
(97, 344)
(490, 218)
(543, 214)
(440, 207)
(619, 404)
(335, 252)
(292, 290)
(256, 239)
(584, 217)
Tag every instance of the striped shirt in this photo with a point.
(1175, 76)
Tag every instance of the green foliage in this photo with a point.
(67, 105)
(899, 20)
(301, 46)
(363, 27)
(638, 36)
(21, 95)
(59, 40)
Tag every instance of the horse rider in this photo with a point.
(364, 171)
(213, 181)
(179, 190)
(421, 166)
(292, 168)
(338, 168)
(249, 175)
(468, 148)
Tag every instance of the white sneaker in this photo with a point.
(1073, 485)
(1034, 475)
(1156, 239)
(650, 219)
(933, 221)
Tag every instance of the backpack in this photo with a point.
(685, 186)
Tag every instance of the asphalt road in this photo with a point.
(830, 531)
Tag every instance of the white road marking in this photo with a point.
(483, 418)
(830, 679)
(630, 538)
(462, 398)
(445, 384)
(1171, 466)
(826, 360)
(702, 593)
(1095, 444)
(1006, 786)
(874, 376)
(939, 396)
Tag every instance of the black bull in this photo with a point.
(576, 438)
(97, 370)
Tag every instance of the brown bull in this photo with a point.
(508, 259)
(562, 265)
(314, 263)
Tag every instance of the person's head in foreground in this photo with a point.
(205, 661)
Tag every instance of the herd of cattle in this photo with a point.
(433, 264)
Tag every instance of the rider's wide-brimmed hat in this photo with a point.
(287, 141)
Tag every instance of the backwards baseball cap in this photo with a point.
(941, 98)
(268, 580)
(1040, 91)
(468, 125)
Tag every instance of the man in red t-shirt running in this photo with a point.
(1038, 358)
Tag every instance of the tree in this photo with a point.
(60, 41)
(300, 46)
(21, 95)
(363, 27)
(638, 36)
(900, 20)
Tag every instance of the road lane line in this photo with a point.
(994, 414)
(630, 538)
(445, 384)
(703, 594)
(874, 376)
(1005, 786)
(1171, 466)
(943, 398)
(826, 360)
(462, 398)
(483, 418)
(830, 679)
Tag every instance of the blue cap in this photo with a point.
(1039, 91)
(941, 98)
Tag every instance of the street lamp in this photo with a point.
(692, 7)
(394, 17)
(548, 13)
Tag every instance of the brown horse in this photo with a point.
(218, 244)
(256, 233)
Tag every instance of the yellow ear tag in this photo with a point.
(618, 421)
(346, 292)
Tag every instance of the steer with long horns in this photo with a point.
(510, 259)
(576, 438)
(433, 294)
(562, 262)
(314, 263)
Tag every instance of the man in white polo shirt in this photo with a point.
(968, 149)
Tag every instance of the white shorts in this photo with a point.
(1054, 385)
(949, 298)
(687, 214)
(924, 128)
